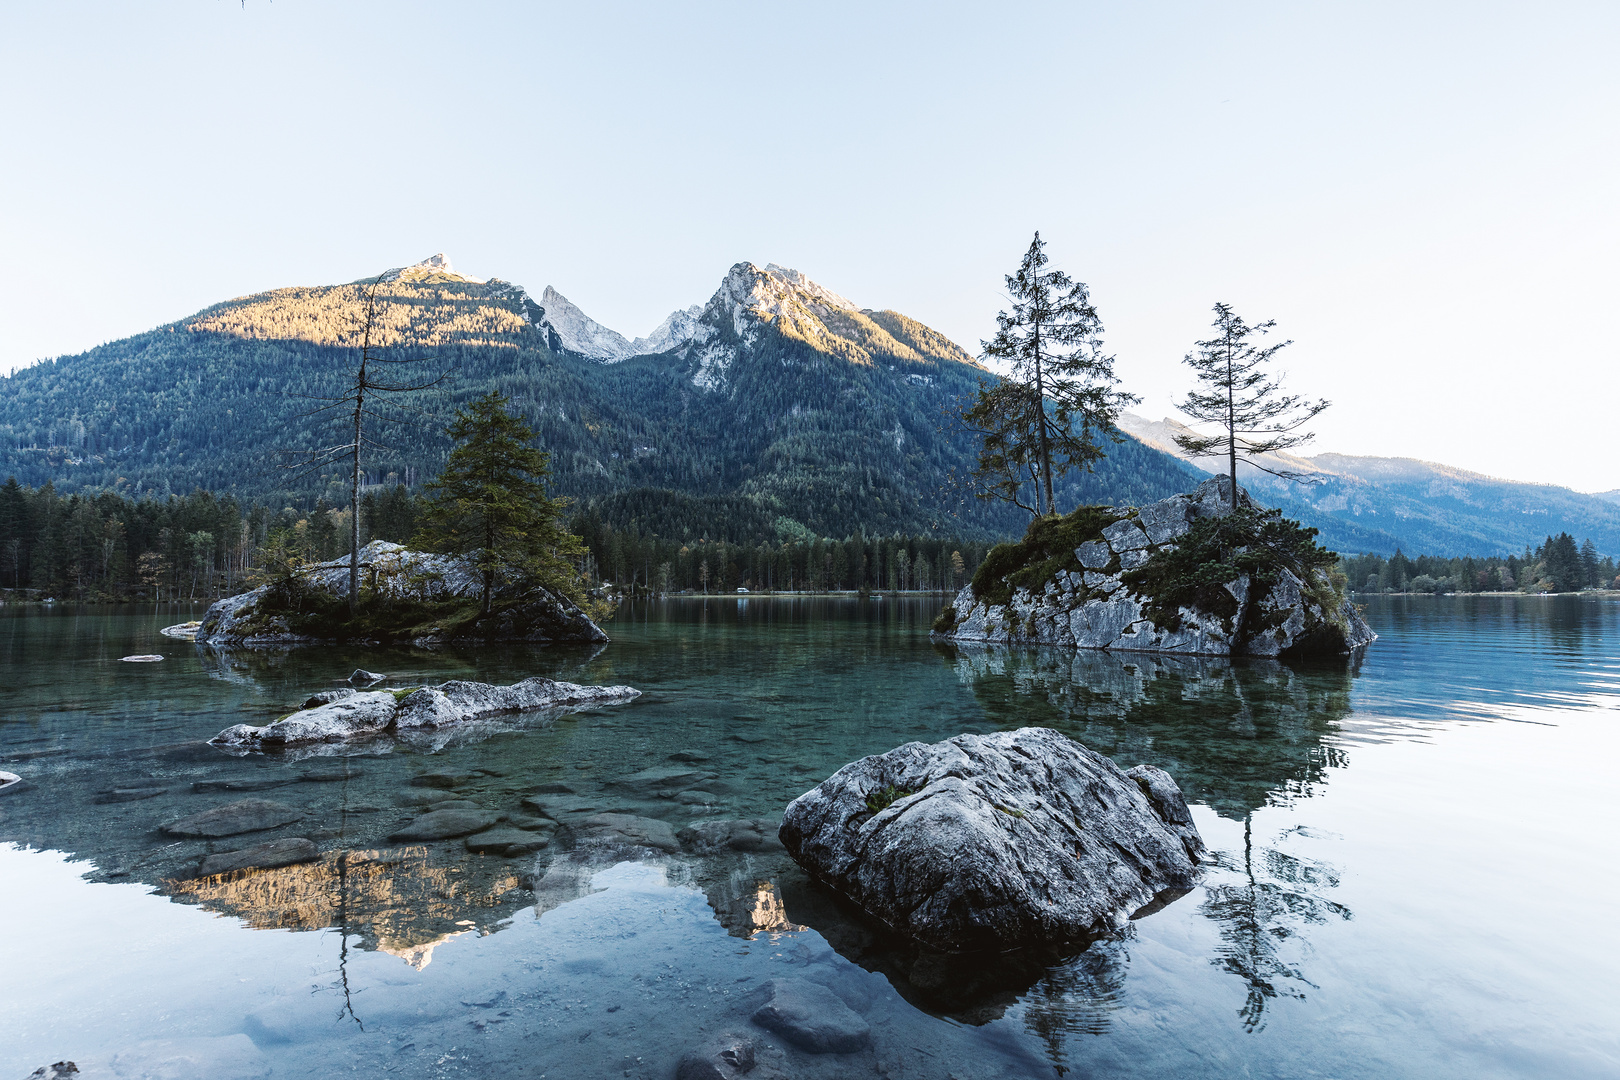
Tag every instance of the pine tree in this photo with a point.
(1590, 577)
(1058, 401)
(1256, 418)
(490, 503)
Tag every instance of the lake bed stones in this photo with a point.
(232, 819)
(996, 841)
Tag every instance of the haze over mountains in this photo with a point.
(776, 408)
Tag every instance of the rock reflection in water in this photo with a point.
(1235, 735)
(401, 901)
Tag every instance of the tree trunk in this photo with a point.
(354, 497)
(1231, 425)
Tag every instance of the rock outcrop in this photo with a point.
(395, 573)
(334, 715)
(1093, 606)
(996, 841)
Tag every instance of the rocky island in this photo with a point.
(406, 596)
(1188, 574)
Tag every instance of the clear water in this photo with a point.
(1415, 877)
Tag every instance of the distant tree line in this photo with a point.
(1556, 565)
(108, 546)
(199, 547)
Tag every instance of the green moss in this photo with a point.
(404, 692)
(1193, 572)
(1046, 550)
(884, 797)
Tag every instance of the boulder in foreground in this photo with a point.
(996, 841)
(345, 714)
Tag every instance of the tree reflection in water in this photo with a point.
(1237, 736)
(1262, 913)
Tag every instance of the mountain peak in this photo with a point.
(433, 268)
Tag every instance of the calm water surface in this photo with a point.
(1415, 870)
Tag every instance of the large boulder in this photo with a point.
(395, 573)
(996, 841)
(1091, 604)
(345, 714)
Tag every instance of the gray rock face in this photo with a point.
(813, 1018)
(347, 714)
(1095, 609)
(996, 841)
(504, 841)
(267, 856)
(248, 815)
(398, 573)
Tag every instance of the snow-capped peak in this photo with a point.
(431, 266)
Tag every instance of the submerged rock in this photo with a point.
(268, 856)
(446, 825)
(10, 780)
(346, 714)
(1092, 605)
(395, 573)
(248, 815)
(996, 841)
(812, 1017)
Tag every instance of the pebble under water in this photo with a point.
(1414, 855)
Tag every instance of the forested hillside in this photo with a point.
(783, 412)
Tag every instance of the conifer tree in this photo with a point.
(490, 502)
(1241, 396)
(1058, 400)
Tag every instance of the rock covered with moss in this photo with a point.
(1187, 574)
(996, 841)
(408, 595)
(335, 715)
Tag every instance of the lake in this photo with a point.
(1414, 861)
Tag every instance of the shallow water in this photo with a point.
(1415, 872)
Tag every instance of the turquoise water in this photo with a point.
(1415, 869)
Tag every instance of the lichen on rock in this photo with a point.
(1183, 575)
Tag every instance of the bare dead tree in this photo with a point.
(361, 400)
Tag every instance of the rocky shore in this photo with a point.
(1092, 595)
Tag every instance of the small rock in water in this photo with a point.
(456, 804)
(557, 787)
(445, 825)
(423, 798)
(688, 755)
(658, 779)
(240, 785)
(327, 776)
(441, 779)
(555, 806)
(9, 781)
(143, 658)
(508, 842)
(749, 737)
(118, 795)
(295, 849)
(813, 1018)
(531, 823)
(731, 1058)
(361, 675)
(249, 815)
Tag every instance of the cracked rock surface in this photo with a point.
(996, 841)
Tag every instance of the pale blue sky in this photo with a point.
(1422, 194)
